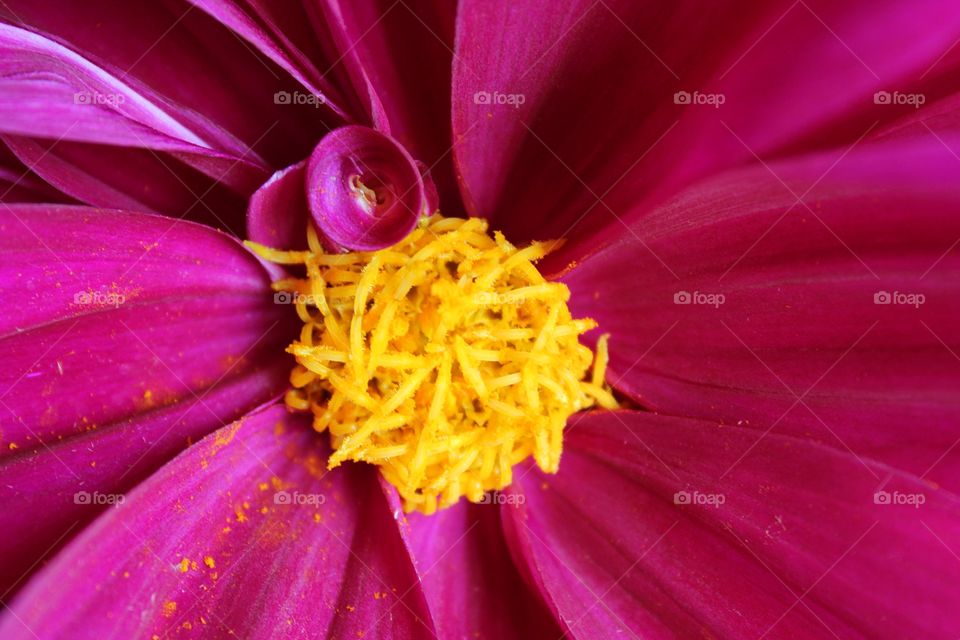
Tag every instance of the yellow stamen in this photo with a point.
(444, 360)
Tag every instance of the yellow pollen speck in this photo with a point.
(184, 565)
(209, 562)
(169, 608)
(445, 359)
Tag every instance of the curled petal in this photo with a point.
(432, 202)
(277, 213)
(364, 190)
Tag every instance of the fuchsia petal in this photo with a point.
(400, 56)
(832, 319)
(201, 117)
(375, 63)
(364, 190)
(19, 184)
(278, 213)
(124, 337)
(559, 104)
(244, 535)
(645, 534)
(470, 582)
(158, 163)
(431, 192)
(283, 33)
(208, 78)
(134, 179)
(851, 51)
(942, 115)
(49, 91)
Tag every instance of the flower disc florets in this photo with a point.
(445, 359)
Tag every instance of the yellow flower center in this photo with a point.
(445, 359)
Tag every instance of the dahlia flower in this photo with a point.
(484, 319)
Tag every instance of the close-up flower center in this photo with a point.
(445, 360)
(503, 319)
(373, 192)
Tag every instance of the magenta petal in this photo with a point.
(399, 57)
(277, 215)
(644, 533)
(364, 190)
(244, 535)
(734, 302)
(472, 587)
(207, 77)
(431, 192)
(135, 179)
(130, 335)
(283, 33)
(110, 141)
(48, 91)
(18, 184)
(557, 104)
